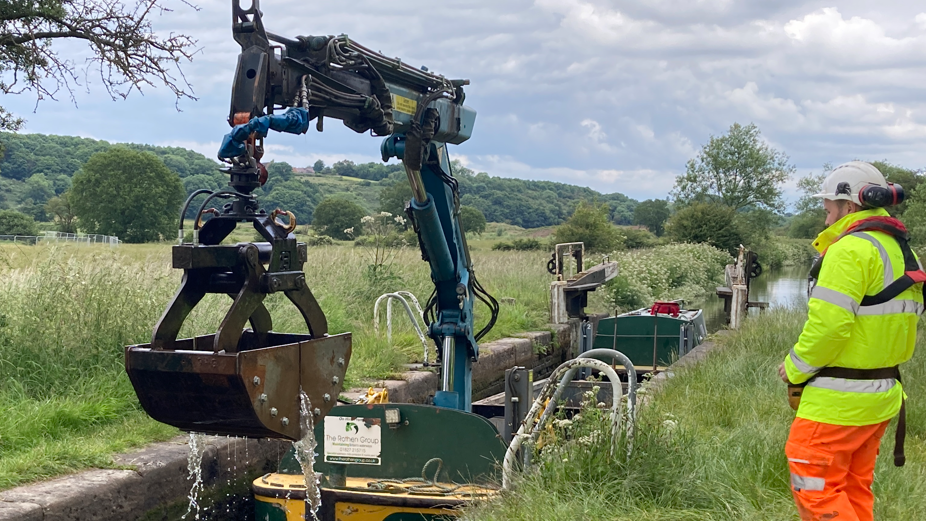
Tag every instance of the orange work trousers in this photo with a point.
(832, 468)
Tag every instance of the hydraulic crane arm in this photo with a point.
(334, 77)
(255, 382)
(419, 113)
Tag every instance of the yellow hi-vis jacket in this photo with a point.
(841, 333)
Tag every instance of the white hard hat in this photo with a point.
(847, 180)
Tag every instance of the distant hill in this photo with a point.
(35, 167)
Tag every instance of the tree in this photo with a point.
(203, 181)
(472, 219)
(62, 212)
(714, 224)
(318, 166)
(806, 225)
(737, 169)
(810, 219)
(915, 215)
(39, 189)
(653, 214)
(345, 168)
(34, 210)
(127, 193)
(334, 216)
(905, 177)
(17, 223)
(636, 237)
(393, 198)
(60, 184)
(279, 171)
(295, 196)
(126, 51)
(589, 224)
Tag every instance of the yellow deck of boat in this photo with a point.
(365, 499)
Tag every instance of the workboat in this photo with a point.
(652, 337)
(388, 462)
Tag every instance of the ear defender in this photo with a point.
(874, 196)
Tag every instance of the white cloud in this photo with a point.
(614, 94)
(855, 42)
(764, 108)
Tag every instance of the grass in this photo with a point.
(710, 447)
(70, 309)
(64, 396)
(361, 191)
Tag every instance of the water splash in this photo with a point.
(305, 455)
(195, 467)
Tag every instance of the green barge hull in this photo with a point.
(651, 341)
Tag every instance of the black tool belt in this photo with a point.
(877, 374)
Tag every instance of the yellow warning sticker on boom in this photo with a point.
(403, 104)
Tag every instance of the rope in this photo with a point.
(422, 486)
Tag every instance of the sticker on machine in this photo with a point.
(403, 104)
(353, 440)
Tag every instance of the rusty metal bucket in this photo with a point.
(253, 392)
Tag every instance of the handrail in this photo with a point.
(398, 295)
(602, 353)
(530, 428)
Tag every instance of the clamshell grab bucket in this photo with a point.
(254, 392)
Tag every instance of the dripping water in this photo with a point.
(305, 455)
(195, 467)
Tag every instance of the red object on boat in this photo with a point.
(665, 308)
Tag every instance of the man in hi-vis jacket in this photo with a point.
(861, 326)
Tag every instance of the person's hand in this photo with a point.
(783, 373)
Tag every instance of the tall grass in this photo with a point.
(65, 400)
(69, 311)
(709, 446)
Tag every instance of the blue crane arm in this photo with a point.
(435, 213)
(420, 113)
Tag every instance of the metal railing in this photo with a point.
(60, 237)
(412, 317)
(553, 390)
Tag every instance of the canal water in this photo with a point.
(779, 287)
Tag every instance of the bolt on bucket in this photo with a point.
(253, 392)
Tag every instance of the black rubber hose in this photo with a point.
(186, 205)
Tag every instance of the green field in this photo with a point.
(71, 309)
(361, 191)
(709, 447)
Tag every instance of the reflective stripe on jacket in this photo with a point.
(841, 333)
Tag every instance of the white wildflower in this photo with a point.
(399, 219)
(349, 231)
(367, 219)
(385, 214)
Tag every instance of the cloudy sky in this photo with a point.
(615, 95)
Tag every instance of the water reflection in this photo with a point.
(779, 287)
